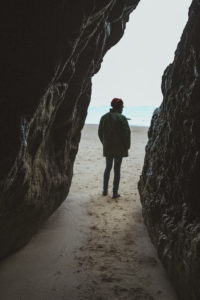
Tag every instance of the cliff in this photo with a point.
(49, 52)
(169, 186)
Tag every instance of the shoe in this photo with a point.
(105, 193)
(116, 195)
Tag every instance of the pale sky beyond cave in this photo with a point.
(132, 69)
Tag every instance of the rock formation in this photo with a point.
(49, 52)
(170, 182)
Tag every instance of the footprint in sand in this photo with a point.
(94, 227)
(132, 293)
(148, 260)
(109, 278)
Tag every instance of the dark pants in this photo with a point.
(117, 166)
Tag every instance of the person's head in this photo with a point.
(117, 104)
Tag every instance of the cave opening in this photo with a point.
(133, 69)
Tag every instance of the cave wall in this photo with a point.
(49, 52)
(170, 182)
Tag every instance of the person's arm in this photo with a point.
(100, 130)
(126, 133)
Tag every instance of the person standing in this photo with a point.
(114, 134)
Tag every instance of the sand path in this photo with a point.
(93, 247)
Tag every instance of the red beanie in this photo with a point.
(116, 102)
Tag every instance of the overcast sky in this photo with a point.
(132, 69)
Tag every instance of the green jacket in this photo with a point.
(114, 133)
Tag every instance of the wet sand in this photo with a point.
(93, 247)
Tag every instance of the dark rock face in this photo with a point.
(49, 52)
(170, 182)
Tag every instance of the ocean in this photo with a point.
(137, 115)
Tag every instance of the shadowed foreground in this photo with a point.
(93, 247)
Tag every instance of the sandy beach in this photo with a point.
(93, 246)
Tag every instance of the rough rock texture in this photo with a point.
(170, 181)
(49, 52)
